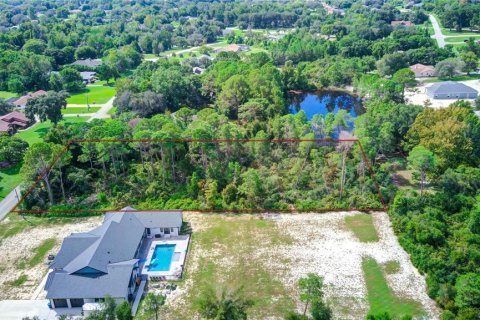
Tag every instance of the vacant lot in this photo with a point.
(25, 244)
(95, 94)
(364, 267)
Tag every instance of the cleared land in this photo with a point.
(80, 110)
(25, 245)
(269, 256)
(94, 94)
(39, 130)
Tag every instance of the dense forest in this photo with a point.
(245, 96)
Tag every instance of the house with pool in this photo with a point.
(117, 259)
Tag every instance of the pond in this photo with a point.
(326, 101)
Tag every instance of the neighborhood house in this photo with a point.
(108, 259)
(405, 23)
(90, 63)
(422, 71)
(22, 101)
(88, 77)
(233, 48)
(451, 90)
(13, 121)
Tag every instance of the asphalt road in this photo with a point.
(438, 32)
(9, 202)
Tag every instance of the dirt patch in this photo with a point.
(18, 249)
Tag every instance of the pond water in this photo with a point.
(323, 102)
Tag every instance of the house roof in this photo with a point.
(4, 126)
(15, 116)
(401, 22)
(108, 250)
(449, 87)
(422, 68)
(232, 48)
(22, 101)
(92, 63)
(87, 75)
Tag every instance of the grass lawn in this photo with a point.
(462, 77)
(149, 56)
(39, 130)
(113, 110)
(95, 95)
(76, 110)
(362, 226)
(381, 297)
(460, 39)
(7, 95)
(41, 251)
(9, 179)
(221, 255)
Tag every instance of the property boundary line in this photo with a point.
(213, 141)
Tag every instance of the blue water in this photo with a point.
(162, 257)
(323, 102)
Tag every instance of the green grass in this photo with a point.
(463, 77)
(149, 56)
(223, 248)
(95, 95)
(113, 110)
(39, 130)
(391, 267)
(19, 281)
(460, 39)
(9, 178)
(77, 110)
(362, 226)
(41, 251)
(7, 95)
(381, 297)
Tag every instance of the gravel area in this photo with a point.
(325, 246)
(419, 96)
(21, 248)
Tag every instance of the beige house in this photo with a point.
(422, 71)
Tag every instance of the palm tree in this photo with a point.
(228, 304)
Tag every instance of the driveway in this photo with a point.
(9, 202)
(438, 31)
(18, 309)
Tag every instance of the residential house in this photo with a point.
(451, 90)
(405, 23)
(198, 70)
(22, 101)
(12, 121)
(88, 77)
(234, 48)
(422, 71)
(106, 260)
(90, 63)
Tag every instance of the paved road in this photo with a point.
(438, 32)
(9, 202)
(103, 112)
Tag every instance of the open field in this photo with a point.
(79, 110)
(9, 178)
(461, 39)
(94, 94)
(39, 130)
(25, 244)
(269, 256)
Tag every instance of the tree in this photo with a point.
(470, 61)
(468, 291)
(235, 92)
(391, 63)
(12, 149)
(47, 107)
(229, 305)
(85, 52)
(404, 76)
(36, 46)
(107, 71)
(311, 289)
(422, 160)
(320, 310)
(123, 311)
(71, 80)
(153, 302)
(448, 67)
(5, 107)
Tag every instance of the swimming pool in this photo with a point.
(162, 257)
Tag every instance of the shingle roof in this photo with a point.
(24, 99)
(170, 219)
(92, 63)
(449, 87)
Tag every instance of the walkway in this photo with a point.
(9, 202)
(438, 31)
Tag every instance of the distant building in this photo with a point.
(451, 90)
(405, 23)
(88, 76)
(234, 48)
(13, 121)
(423, 71)
(198, 70)
(91, 63)
(22, 101)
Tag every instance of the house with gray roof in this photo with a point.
(106, 260)
(90, 63)
(451, 90)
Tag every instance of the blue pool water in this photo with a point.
(162, 257)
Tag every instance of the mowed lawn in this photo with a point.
(9, 179)
(381, 297)
(362, 226)
(78, 110)
(226, 252)
(94, 95)
(39, 130)
(7, 95)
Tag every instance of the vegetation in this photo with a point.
(362, 227)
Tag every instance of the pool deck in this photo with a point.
(178, 258)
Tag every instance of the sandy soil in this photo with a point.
(20, 248)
